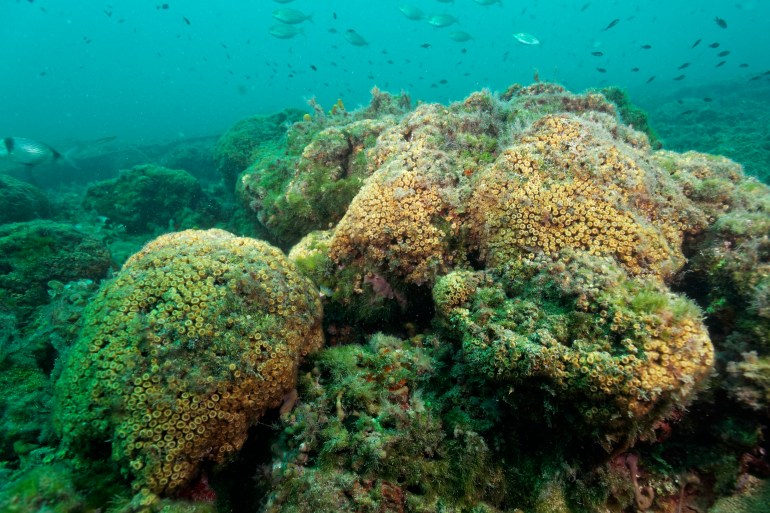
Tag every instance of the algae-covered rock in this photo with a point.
(367, 436)
(730, 266)
(613, 353)
(182, 352)
(250, 140)
(44, 489)
(36, 252)
(148, 198)
(20, 201)
(631, 115)
(310, 185)
(755, 498)
(24, 410)
(323, 180)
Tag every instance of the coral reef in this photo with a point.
(182, 352)
(20, 201)
(527, 306)
(148, 198)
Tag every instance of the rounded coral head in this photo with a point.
(197, 335)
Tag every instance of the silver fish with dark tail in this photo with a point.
(27, 151)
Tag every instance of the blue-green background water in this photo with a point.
(78, 70)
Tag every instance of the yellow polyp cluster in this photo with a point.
(196, 337)
(394, 220)
(455, 289)
(675, 361)
(565, 187)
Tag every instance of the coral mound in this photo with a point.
(182, 352)
(20, 201)
(147, 198)
(569, 182)
(35, 252)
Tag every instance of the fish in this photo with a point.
(597, 54)
(723, 54)
(460, 36)
(425, 45)
(612, 24)
(354, 38)
(720, 64)
(291, 16)
(743, 65)
(186, 20)
(687, 112)
(526, 39)
(650, 79)
(284, 31)
(714, 45)
(707, 99)
(411, 12)
(585, 6)
(488, 2)
(283, 1)
(634, 69)
(680, 77)
(646, 47)
(30, 153)
(721, 22)
(685, 65)
(442, 20)
(696, 43)
(601, 70)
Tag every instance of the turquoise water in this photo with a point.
(524, 306)
(89, 69)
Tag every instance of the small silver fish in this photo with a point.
(29, 152)
(291, 16)
(284, 31)
(411, 12)
(354, 38)
(442, 20)
(460, 36)
(526, 39)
